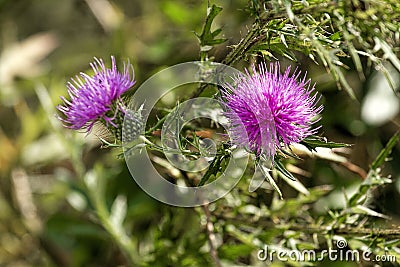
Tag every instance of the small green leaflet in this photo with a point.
(207, 37)
(313, 141)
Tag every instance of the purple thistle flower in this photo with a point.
(98, 97)
(269, 109)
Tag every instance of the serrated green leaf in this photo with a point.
(206, 38)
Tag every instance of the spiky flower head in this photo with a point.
(268, 109)
(97, 97)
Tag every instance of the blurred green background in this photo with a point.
(45, 217)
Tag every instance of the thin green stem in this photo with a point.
(157, 125)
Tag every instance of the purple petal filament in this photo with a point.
(96, 97)
(275, 109)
